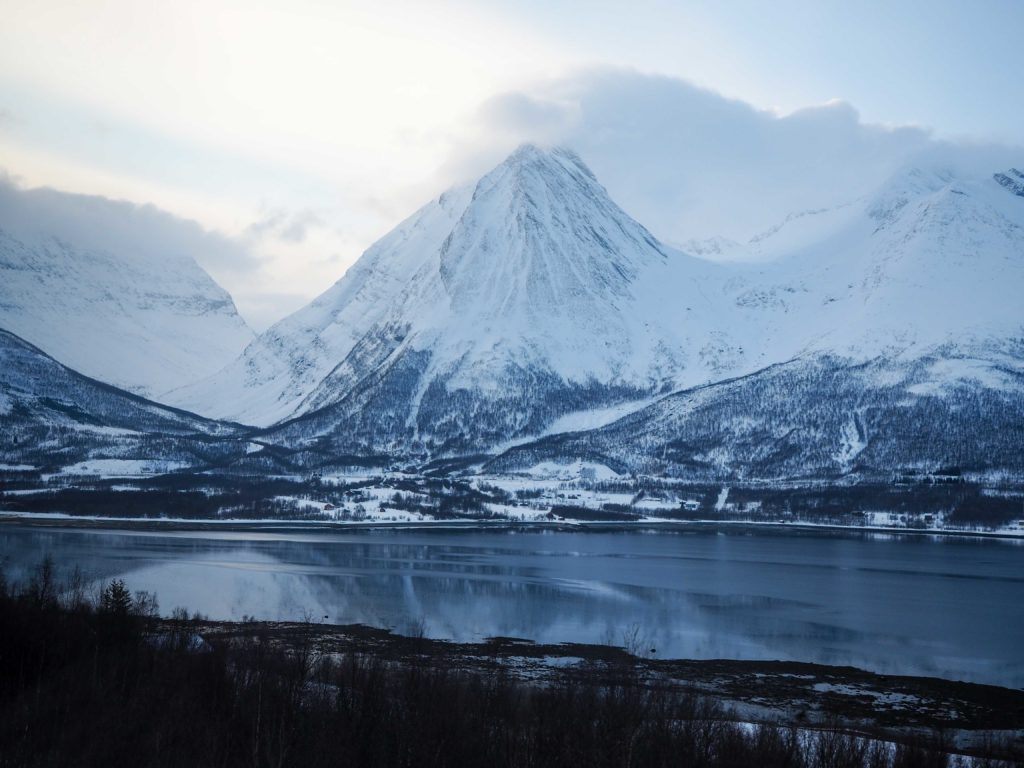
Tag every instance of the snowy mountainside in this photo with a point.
(530, 303)
(932, 259)
(139, 321)
(895, 334)
(275, 374)
(816, 418)
(544, 299)
(528, 317)
(485, 316)
(54, 416)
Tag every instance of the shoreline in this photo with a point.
(269, 525)
(788, 693)
(804, 695)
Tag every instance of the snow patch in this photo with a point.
(123, 467)
(576, 470)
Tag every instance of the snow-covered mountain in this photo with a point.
(817, 417)
(527, 316)
(896, 329)
(112, 304)
(933, 258)
(487, 315)
(530, 304)
(55, 417)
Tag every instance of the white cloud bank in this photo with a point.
(143, 232)
(690, 163)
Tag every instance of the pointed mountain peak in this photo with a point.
(529, 152)
(532, 265)
(545, 203)
(526, 153)
(539, 235)
(531, 158)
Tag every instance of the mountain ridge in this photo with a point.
(54, 415)
(80, 278)
(528, 317)
(530, 283)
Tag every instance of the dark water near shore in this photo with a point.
(949, 607)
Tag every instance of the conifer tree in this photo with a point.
(116, 598)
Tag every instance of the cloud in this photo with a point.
(289, 226)
(136, 232)
(519, 113)
(685, 161)
(688, 162)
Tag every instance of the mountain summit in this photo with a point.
(529, 305)
(485, 316)
(895, 329)
(529, 318)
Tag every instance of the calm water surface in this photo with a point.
(950, 607)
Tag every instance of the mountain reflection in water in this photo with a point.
(950, 607)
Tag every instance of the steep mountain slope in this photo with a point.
(53, 416)
(932, 259)
(814, 418)
(484, 317)
(143, 321)
(898, 325)
(280, 368)
(878, 336)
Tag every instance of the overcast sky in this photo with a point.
(301, 130)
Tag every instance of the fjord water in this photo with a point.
(941, 606)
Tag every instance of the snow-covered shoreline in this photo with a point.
(661, 524)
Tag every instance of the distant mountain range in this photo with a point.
(527, 318)
(129, 312)
(489, 314)
(57, 418)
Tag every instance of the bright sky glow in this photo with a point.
(307, 129)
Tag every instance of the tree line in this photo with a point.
(92, 676)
